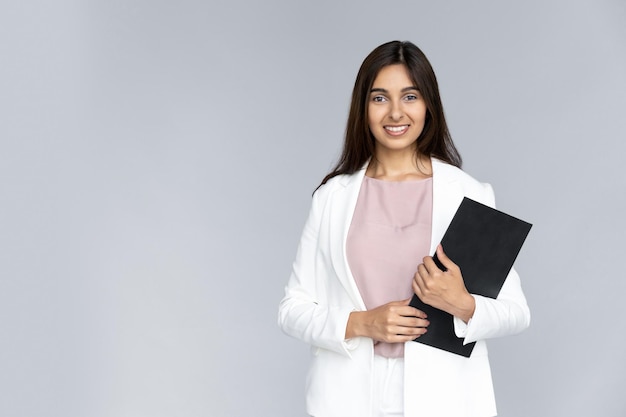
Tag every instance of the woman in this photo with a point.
(365, 250)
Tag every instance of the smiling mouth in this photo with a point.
(396, 130)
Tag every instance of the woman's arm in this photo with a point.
(304, 312)
(475, 317)
(506, 315)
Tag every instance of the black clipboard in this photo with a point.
(484, 243)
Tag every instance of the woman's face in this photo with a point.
(396, 110)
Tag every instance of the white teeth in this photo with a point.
(395, 129)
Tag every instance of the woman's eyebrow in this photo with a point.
(404, 90)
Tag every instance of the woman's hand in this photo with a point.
(443, 290)
(394, 322)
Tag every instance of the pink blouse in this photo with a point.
(388, 237)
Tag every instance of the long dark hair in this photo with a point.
(359, 142)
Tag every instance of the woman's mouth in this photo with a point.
(396, 130)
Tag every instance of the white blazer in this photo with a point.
(321, 293)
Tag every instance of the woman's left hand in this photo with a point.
(443, 290)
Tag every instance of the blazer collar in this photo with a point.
(447, 196)
(342, 206)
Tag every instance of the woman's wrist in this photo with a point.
(354, 325)
(465, 309)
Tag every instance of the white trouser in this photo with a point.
(388, 389)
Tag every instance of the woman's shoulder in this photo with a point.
(322, 195)
(470, 185)
(442, 167)
(334, 183)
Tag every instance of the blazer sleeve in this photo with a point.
(507, 314)
(303, 312)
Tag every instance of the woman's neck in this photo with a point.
(393, 166)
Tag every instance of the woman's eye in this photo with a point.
(378, 99)
(411, 97)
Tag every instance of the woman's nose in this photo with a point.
(396, 112)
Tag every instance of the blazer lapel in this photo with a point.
(342, 205)
(447, 196)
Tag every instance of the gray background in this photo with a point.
(157, 160)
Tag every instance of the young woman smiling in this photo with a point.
(374, 221)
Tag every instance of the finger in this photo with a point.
(408, 338)
(414, 322)
(422, 276)
(443, 258)
(431, 266)
(408, 330)
(412, 312)
(409, 333)
(421, 273)
(402, 338)
(417, 290)
(418, 285)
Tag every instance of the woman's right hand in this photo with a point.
(394, 322)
